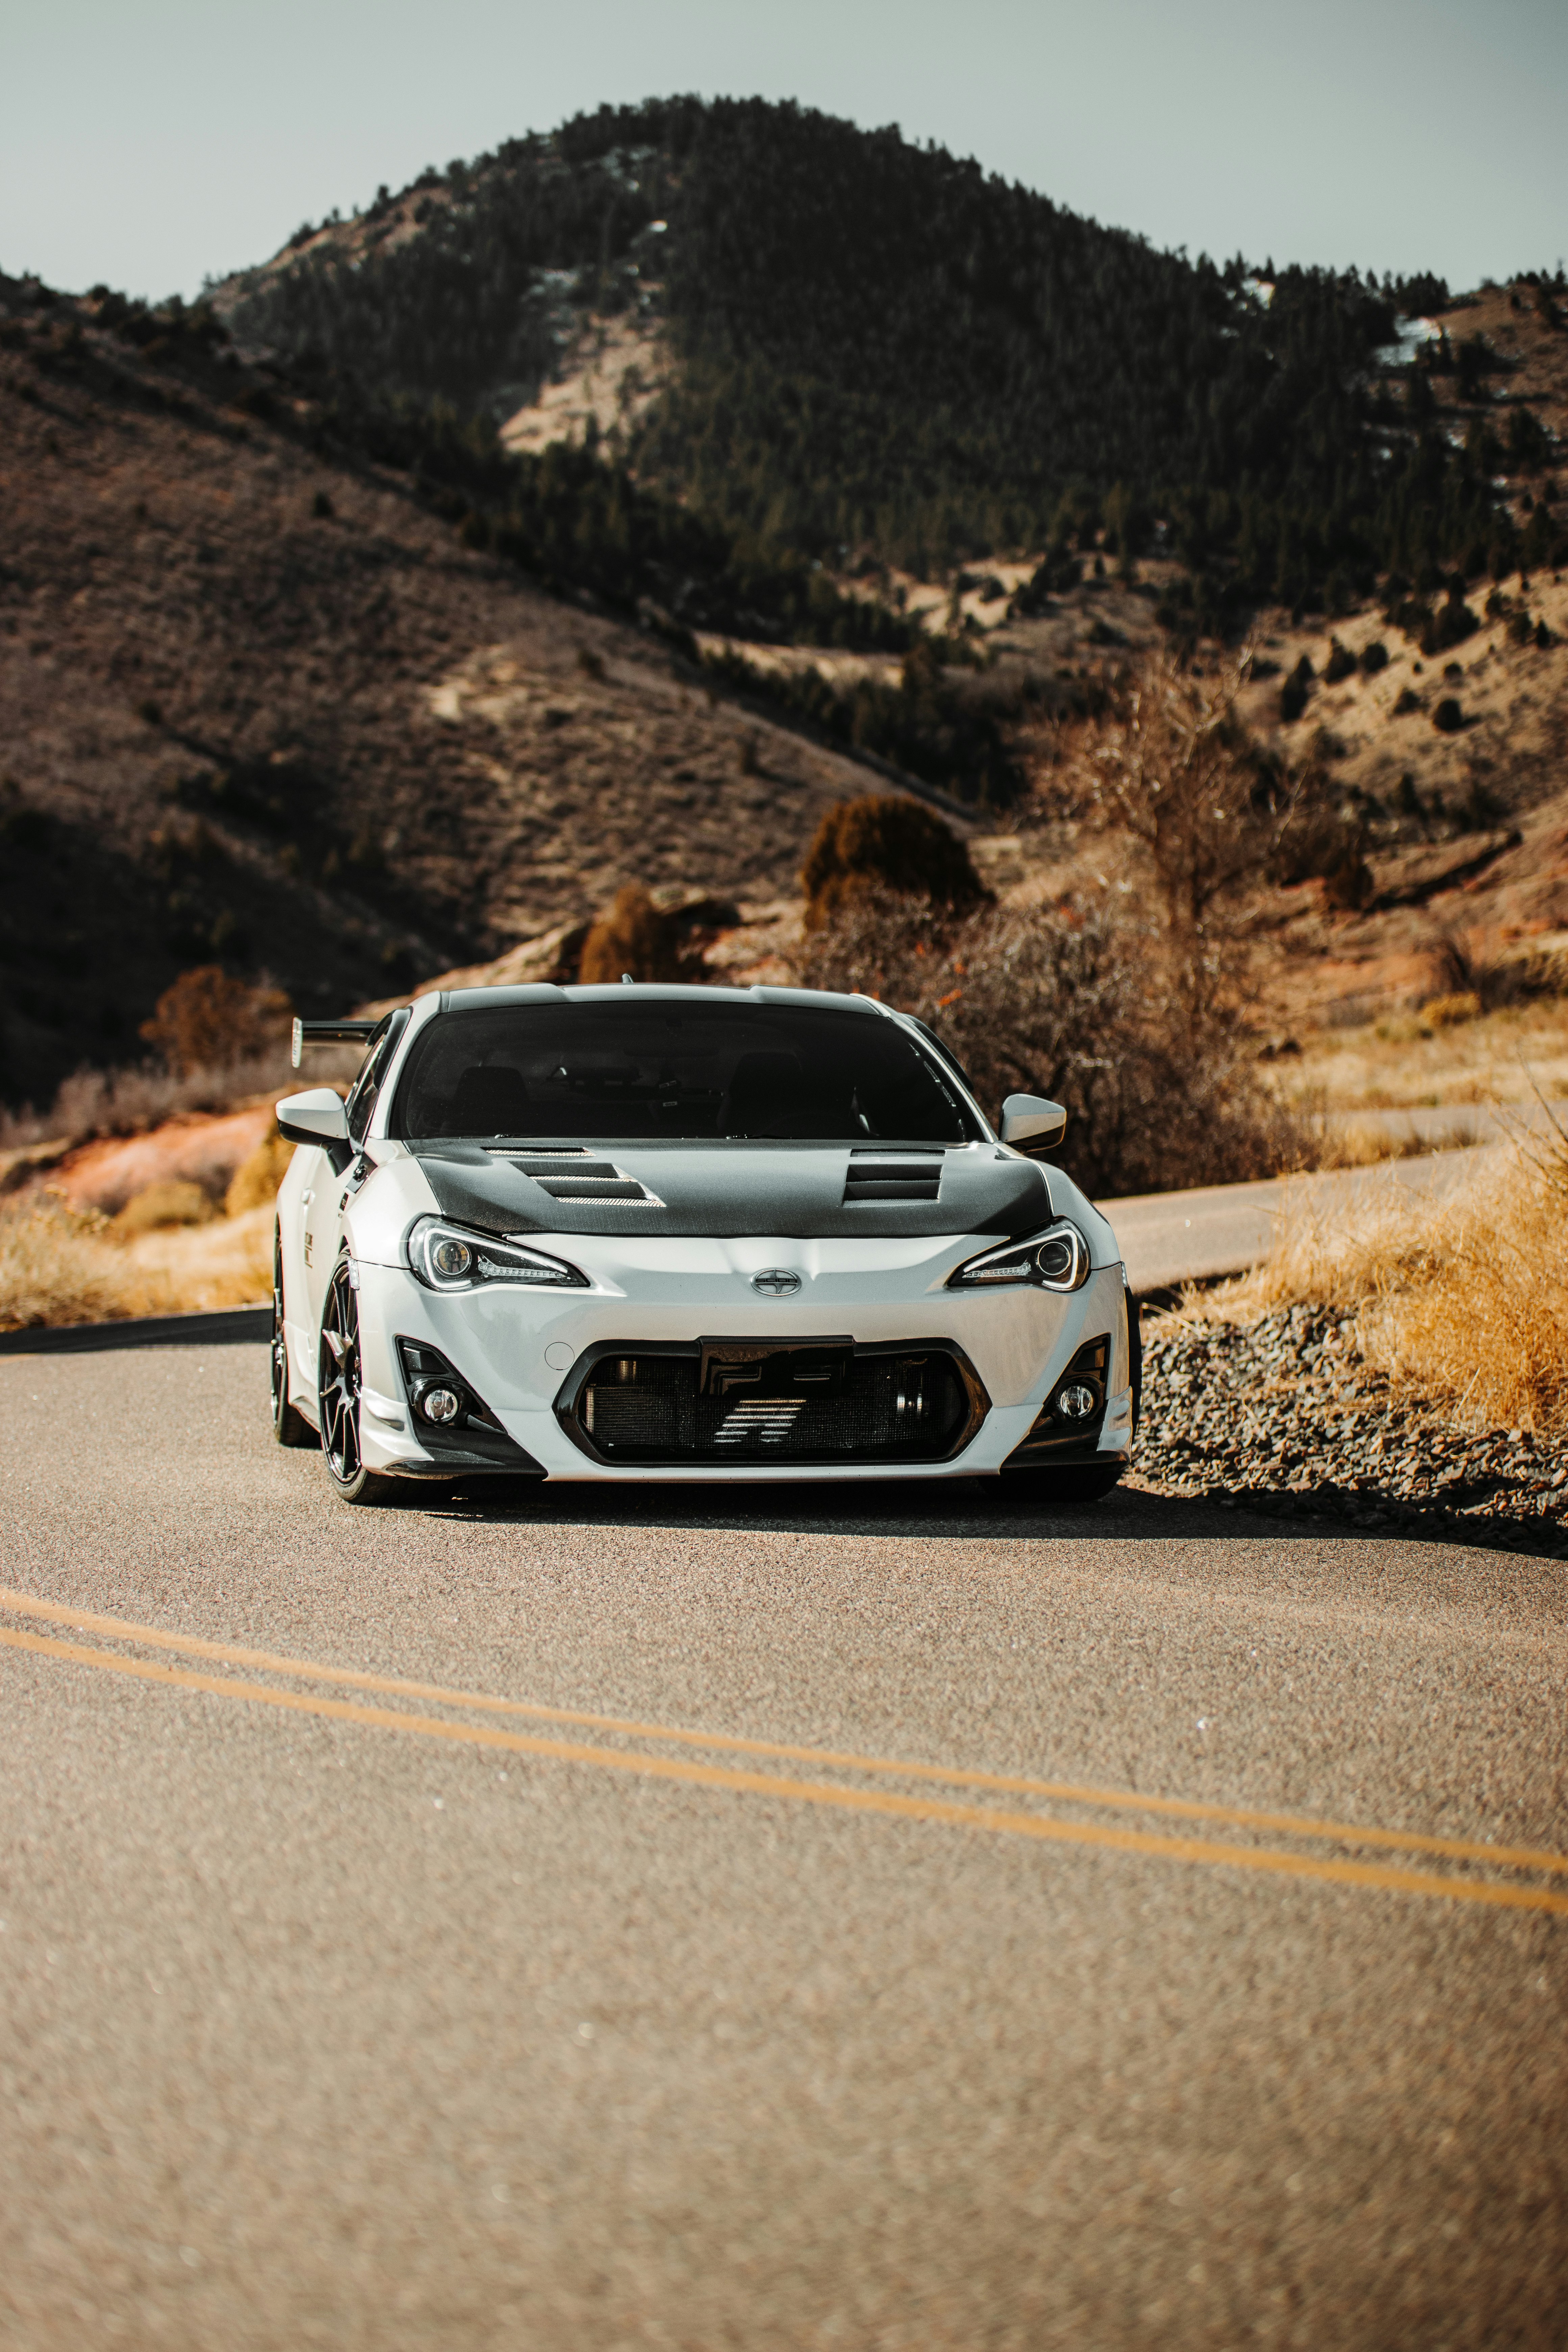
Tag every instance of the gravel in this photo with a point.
(1282, 1416)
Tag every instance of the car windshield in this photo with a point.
(676, 1069)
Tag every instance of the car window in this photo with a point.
(675, 1068)
(366, 1087)
(948, 1056)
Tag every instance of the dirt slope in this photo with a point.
(260, 705)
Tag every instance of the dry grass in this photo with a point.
(1462, 1299)
(228, 1263)
(1407, 1062)
(60, 1265)
(1367, 1142)
(255, 1182)
(130, 1101)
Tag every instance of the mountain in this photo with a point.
(837, 345)
(591, 513)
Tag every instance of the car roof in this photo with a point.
(815, 1000)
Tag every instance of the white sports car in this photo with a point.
(674, 1234)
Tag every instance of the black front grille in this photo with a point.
(921, 1404)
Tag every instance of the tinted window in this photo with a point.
(694, 1070)
(367, 1085)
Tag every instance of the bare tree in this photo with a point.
(1173, 771)
(1061, 1002)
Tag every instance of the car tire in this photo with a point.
(1135, 1356)
(338, 1382)
(289, 1426)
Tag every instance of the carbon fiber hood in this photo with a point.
(725, 1190)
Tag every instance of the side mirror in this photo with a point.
(316, 1118)
(1031, 1124)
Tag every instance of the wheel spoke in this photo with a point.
(340, 1380)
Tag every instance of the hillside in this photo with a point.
(836, 343)
(263, 706)
(592, 512)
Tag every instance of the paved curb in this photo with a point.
(231, 1327)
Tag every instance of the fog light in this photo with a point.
(440, 1404)
(1076, 1400)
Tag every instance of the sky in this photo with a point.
(150, 144)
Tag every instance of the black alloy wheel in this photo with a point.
(289, 1426)
(338, 1383)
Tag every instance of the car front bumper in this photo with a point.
(521, 1350)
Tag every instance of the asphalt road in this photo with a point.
(339, 2008)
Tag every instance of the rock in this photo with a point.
(1301, 1453)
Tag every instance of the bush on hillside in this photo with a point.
(1173, 771)
(885, 843)
(209, 1021)
(1452, 624)
(1320, 845)
(1078, 1009)
(635, 937)
(1294, 692)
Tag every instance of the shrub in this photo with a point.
(1408, 700)
(1318, 845)
(1448, 718)
(208, 1021)
(323, 507)
(56, 1266)
(1465, 984)
(1373, 657)
(1077, 1008)
(1452, 1012)
(635, 937)
(1452, 624)
(1459, 1296)
(171, 1203)
(1341, 663)
(1293, 693)
(885, 842)
(1172, 770)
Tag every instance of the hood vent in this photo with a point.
(573, 1174)
(892, 1176)
(611, 1186)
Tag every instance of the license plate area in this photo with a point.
(765, 1370)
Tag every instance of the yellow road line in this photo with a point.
(954, 1776)
(1377, 1874)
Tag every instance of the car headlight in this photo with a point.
(450, 1257)
(1057, 1259)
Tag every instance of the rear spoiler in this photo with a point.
(329, 1032)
